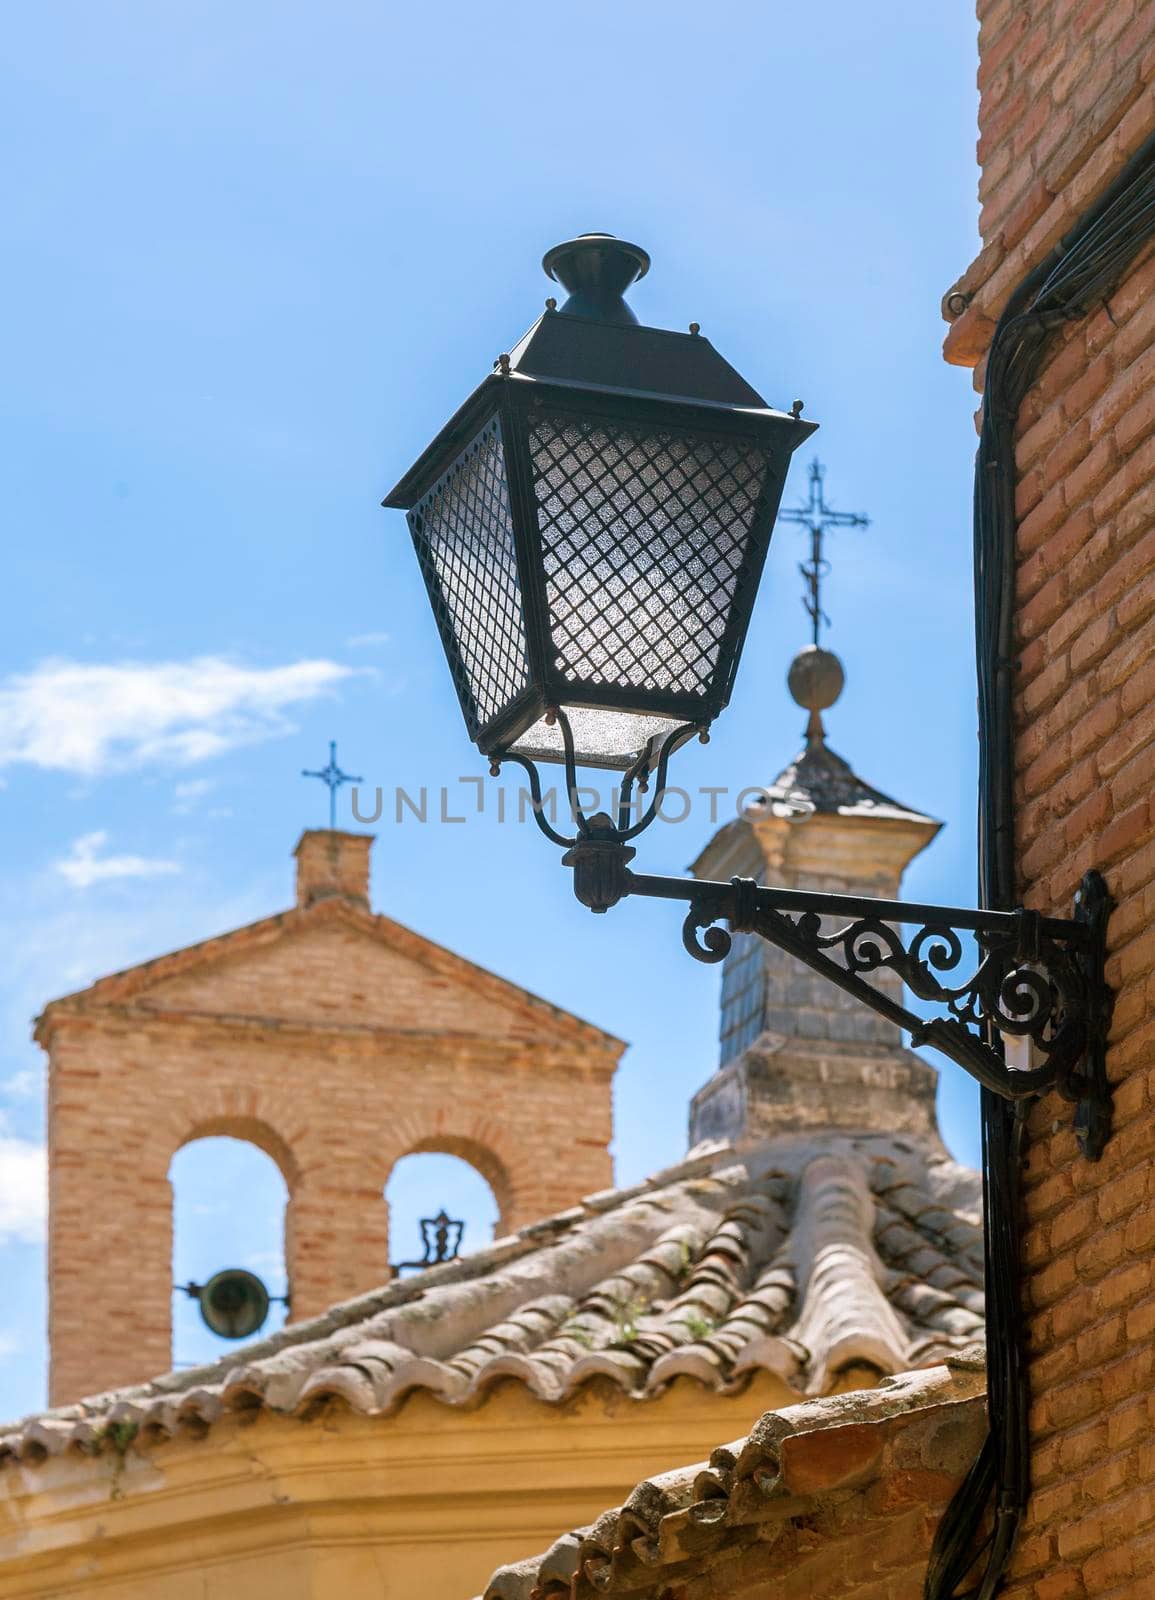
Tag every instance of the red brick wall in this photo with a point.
(1066, 98)
(335, 1053)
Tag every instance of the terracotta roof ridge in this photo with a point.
(716, 1268)
(844, 1318)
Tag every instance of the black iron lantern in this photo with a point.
(592, 525)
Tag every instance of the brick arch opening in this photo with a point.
(210, 1231)
(481, 1157)
(479, 1139)
(423, 1182)
(249, 1130)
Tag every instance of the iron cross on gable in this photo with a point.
(818, 517)
(332, 777)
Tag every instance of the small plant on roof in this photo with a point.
(572, 1329)
(120, 1436)
(626, 1315)
(698, 1325)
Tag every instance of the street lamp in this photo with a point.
(591, 526)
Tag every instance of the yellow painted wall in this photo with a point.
(346, 1506)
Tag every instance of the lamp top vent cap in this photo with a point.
(596, 270)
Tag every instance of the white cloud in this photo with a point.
(365, 641)
(11, 1344)
(23, 1085)
(68, 716)
(23, 1190)
(86, 866)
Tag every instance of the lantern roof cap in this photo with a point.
(630, 358)
(595, 339)
(596, 270)
(595, 345)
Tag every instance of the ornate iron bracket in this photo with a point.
(1034, 978)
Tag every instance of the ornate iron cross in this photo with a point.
(817, 516)
(332, 777)
(441, 1239)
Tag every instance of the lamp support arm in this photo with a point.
(1028, 976)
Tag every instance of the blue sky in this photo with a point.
(255, 256)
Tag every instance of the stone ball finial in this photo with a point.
(816, 678)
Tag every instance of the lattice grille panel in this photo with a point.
(463, 532)
(644, 536)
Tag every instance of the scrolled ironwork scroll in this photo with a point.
(1025, 978)
(714, 943)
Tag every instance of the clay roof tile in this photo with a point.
(794, 1259)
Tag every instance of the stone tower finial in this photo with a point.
(815, 681)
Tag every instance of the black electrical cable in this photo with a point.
(1084, 268)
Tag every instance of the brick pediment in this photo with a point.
(333, 964)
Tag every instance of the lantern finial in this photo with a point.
(596, 269)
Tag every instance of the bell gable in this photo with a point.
(331, 964)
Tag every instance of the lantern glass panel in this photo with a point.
(601, 738)
(463, 533)
(644, 536)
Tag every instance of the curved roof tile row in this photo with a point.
(800, 1259)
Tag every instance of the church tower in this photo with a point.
(336, 1041)
(796, 1053)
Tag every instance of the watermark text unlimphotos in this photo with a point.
(476, 797)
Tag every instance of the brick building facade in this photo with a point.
(1066, 102)
(336, 1041)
